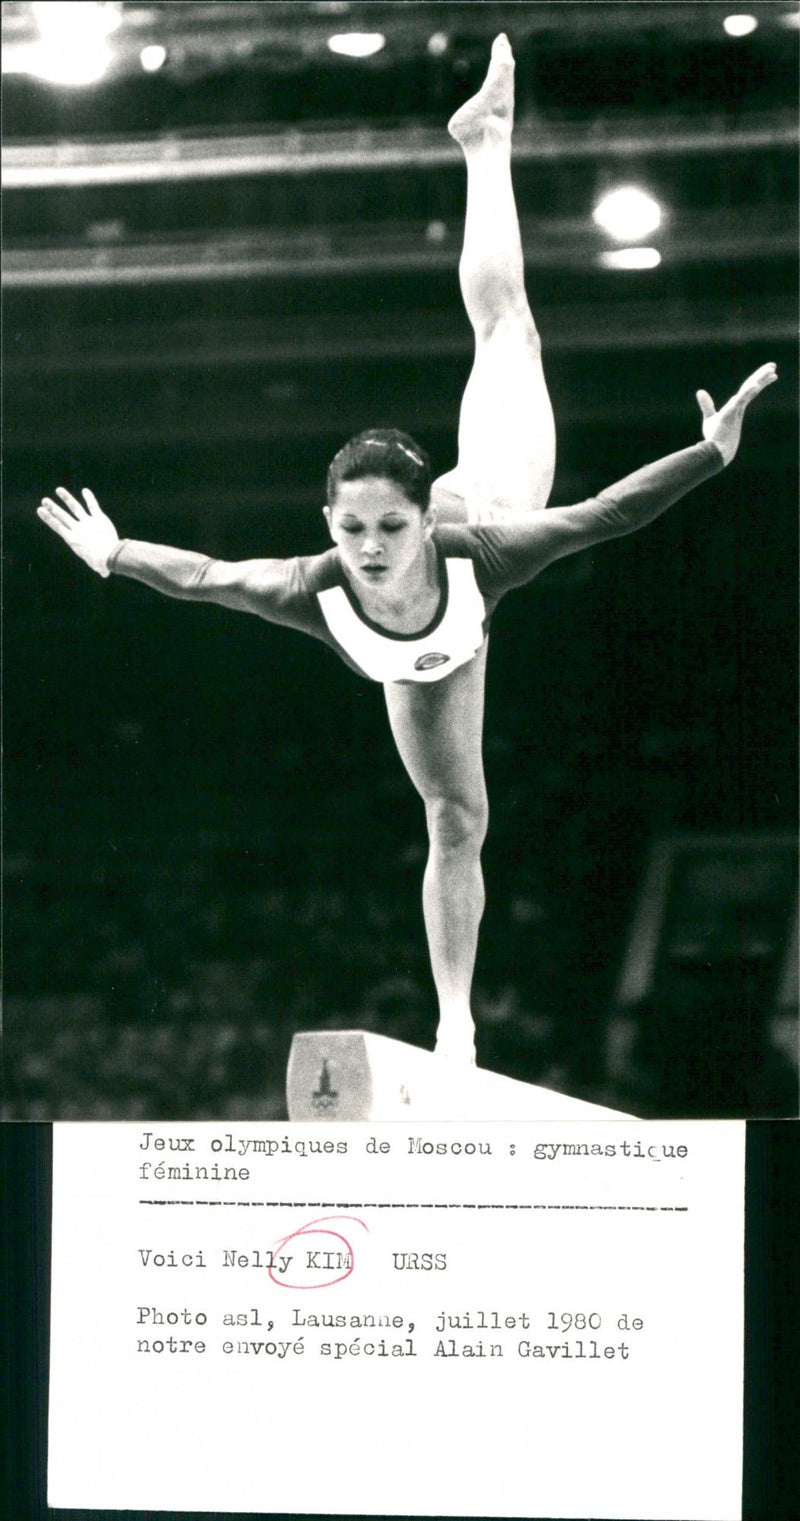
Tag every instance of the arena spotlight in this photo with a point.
(627, 214)
(438, 43)
(89, 18)
(153, 57)
(630, 258)
(791, 19)
(357, 44)
(740, 26)
(73, 49)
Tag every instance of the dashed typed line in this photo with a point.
(644, 1209)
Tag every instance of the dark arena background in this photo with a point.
(228, 246)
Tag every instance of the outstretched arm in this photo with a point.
(247, 585)
(633, 502)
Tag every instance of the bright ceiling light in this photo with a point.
(438, 43)
(357, 44)
(17, 57)
(791, 18)
(68, 63)
(740, 26)
(630, 258)
(73, 49)
(153, 57)
(78, 21)
(627, 214)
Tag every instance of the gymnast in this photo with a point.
(406, 594)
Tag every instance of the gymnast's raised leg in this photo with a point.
(506, 436)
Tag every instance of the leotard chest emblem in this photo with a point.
(428, 662)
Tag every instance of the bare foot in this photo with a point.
(491, 111)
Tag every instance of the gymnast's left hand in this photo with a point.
(724, 427)
(82, 525)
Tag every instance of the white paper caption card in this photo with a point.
(474, 1320)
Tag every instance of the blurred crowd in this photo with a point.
(162, 972)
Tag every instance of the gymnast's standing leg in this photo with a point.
(505, 466)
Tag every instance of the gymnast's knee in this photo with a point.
(512, 329)
(458, 824)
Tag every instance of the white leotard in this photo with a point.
(454, 637)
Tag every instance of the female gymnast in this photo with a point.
(406, 594)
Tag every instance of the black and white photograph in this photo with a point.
(400, 595)
(400, 757)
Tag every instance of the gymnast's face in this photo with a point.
(381, 535)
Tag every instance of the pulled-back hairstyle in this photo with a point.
(383, 452)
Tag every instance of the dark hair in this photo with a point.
(383, 452)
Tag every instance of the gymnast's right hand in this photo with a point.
(82, 525)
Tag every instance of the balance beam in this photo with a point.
(354, 1075)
